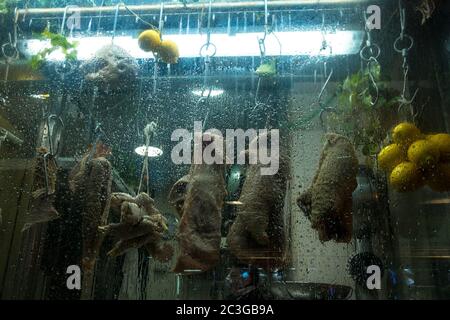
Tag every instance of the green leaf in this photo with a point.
(57, 42)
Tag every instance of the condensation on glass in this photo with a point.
(224, 149)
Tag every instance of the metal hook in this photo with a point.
(44, 159)
(98, 132)
(9, 50)
(319, 98)
(402, 13)
(61, 31)
(204, 49)
(323, 107)
(116, 16)
(405, 102)
(10, 53)
(324, 111)
(372, 60)
(161, 20)
(50, 132)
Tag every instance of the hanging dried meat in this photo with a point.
(90, 182)
(257, 234)
(199, 232)
(141, 225)
(44, 188)
(328, 202)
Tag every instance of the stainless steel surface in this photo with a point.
(179, 7)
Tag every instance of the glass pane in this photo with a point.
(224, 149)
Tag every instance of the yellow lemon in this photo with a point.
(168, 51)
(440, 179)
(424, 153)
(442, 142)
(391, 156)
(405, 133)
(149, 40)
(406, 177)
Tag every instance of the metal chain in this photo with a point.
(370, 53)
(403, 44)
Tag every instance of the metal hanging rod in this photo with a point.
(179, 7)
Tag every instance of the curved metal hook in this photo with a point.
(50, 131)
(324, 111)
(9, 51)
(405, 102)
(373, 102)
(319, 98)
(369, 52)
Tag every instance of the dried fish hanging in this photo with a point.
(198, 196)
(257, 235)
(199, 231)
(45, 171)
(44, 185)
(403, 44)
(328, 201)
(90, 182)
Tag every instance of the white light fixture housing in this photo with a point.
(152, 152)
(293, 43)
(206, 93)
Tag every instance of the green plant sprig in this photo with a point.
(57, 42)
(356, 117)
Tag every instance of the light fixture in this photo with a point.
(152, 152)
(42, 96)
(208, 93)
(293, 43)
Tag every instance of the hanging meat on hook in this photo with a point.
(44, 188)
(257, 234)
(328, 201)
(141, 225)
(90, 183)
(199, 232)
